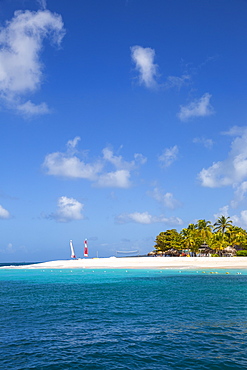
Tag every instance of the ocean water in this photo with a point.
(123, 319)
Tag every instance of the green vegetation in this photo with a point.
(203, 234)
(168, 239)
(241, 253)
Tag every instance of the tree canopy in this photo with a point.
(168, 239)
(217, 236)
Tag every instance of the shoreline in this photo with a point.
(141, 263)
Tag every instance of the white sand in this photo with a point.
(145, 263)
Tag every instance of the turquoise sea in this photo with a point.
(123, 319)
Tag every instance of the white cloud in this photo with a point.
(146, 218)
(68, 209)
(29, 109)
(144, 62)
(117, 161)
(42, 3)
(143, 59)
(121, 177)
(168, 156)
(21, 70)
(59, 164)
(235, 131)
(139, 159)
(239, 194)
(4, 214)
(71, 144)
(141, 218)
(223, 211)
(197, 108)
(69, 165)
(176, 82)
(117, 179)
(231, 171)
(241, 220)
(238, 220)
(167, 199)
(208, 143)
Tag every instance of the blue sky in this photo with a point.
(119, 119)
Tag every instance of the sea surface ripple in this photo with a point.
(123, 319)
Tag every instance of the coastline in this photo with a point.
(142, 263)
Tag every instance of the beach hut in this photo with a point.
(160, 253)
(152, 253)
(229, 251)
(205, 250)
(172, 252)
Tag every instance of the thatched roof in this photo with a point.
(160, 252)
(152, 253)
(205, 248)
(229, 249)
(172, 252)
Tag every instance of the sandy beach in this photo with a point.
(144, 263)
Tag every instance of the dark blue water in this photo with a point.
(118, 319)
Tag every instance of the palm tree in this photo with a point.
(222, 224)
(190, 238)
(236, 236)
(204, 229)
(218, 241)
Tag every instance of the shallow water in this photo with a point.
(123, 319)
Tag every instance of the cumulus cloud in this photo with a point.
(143, 58)
(223, 211)
(4, 214)
(69, 164)
(146, 218)
(61, 164)
(239, 194)
(167, 199)
(117, 179)
(197, 108)
(237, 219)
(207, 143)
(168, 156)
(68, 209)
(119, 162)
(232, 170)
(144, 64)
(21, 70)
(240, 220)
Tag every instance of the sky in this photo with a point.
(119, 119)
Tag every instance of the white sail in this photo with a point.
(72, 249)
(85, 248)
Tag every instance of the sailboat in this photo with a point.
(72, 250)
(85, 248)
